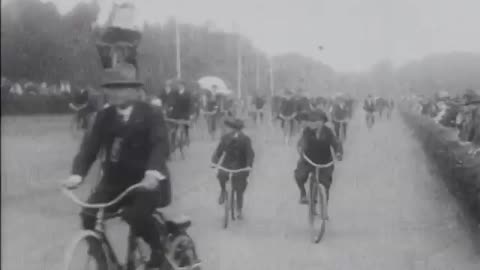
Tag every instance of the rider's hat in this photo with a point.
(234, 123)
(317, 115)
(122, 75)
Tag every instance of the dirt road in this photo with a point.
(387, 211)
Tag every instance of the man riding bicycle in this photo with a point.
(234, 152)
(316, 143)
(134, 137)
(287, 109)
(369, 107)
(182, 107)
(83, 108)
(340, 116)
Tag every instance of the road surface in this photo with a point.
(386, 210)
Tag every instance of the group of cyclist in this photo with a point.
(133, 133)
(380, 105)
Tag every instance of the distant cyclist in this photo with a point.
(340, 116)
(369, 108)
(316, 142)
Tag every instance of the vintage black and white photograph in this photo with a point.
(240, 135)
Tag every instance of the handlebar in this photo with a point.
(69, 193)
(288, 117)
(77, 108)
(209, 113)
(316, 165)
(231, 171)
(178, 121)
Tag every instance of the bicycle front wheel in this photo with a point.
(316, 213)
(86, 252)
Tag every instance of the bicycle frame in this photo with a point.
(99, 233)
(229, 190)
(342, 128)
(288, 129)
(317, 182)
(178, 134)
(99, 230)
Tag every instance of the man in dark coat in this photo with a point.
(316, 143)
(182, 107)
(234, 152)
(168, 97)
(339, 117)
(134, 137)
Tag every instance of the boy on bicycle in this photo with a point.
(134, 137)
(234, 152)
(339, 114)
(316, 143)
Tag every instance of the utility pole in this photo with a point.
(270, 64)
(177, 46)
(239, 68)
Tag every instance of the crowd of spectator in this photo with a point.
(460, 112)
(26, 97)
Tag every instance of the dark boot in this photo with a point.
(222, 196)
(303, 197)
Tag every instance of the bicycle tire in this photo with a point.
(92, 239)
(233, 203)
(181, 141)
(226, 214)
(315, 197)
(323, 223)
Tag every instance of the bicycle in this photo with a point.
(370, 118)
(342, 130)
(177, 135)
(317, 193)
(210, 120)
(179, 247)
(229, 202)
(287, 126)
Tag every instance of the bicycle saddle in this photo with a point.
(181, 221)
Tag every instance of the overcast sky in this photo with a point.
(355, 33)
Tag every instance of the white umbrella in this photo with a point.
(210, 82)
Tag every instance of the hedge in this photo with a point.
(35, 104)
(459, 169)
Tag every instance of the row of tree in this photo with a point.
(39, 44)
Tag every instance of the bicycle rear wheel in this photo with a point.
(233, 203)
(86, 252)
(226, 208)
(316, 213)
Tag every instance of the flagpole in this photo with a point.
(177, 47)
(257, 73)
(239, 66)
(270, 63)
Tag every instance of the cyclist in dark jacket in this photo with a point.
(316, 143)
(234, 152)
(134, 136)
